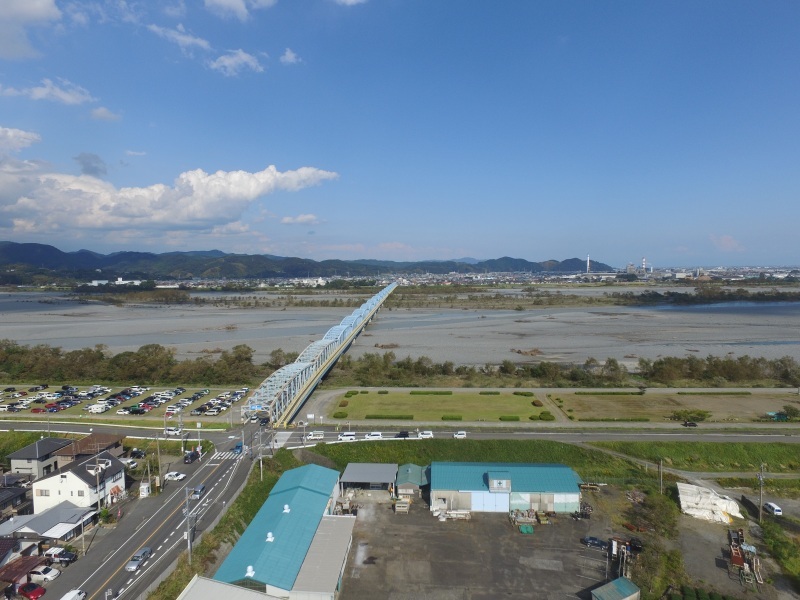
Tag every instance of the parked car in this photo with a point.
(636, 544)
(129, 462)
(460, 435)
(44, 573)
(425, 435)
(136, 453)
(174, 476)
(31, 591)
(60, 556)
(689, 424)
(137, 559)
(593, 542)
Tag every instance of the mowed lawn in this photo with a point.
(471, 405)
(658, 405)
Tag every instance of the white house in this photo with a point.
(95, 481)
(39, 458)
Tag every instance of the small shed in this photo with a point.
(619, 589)
(369, 476)
(411, 479)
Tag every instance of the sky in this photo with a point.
(405, 129)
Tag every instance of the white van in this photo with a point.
(347, 436)
(97, 409)
(74, 595)
(374, 435)
(773, 509)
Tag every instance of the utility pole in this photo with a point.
(761, 493)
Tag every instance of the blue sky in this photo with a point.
(404, 129)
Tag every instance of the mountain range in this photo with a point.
(215, 264)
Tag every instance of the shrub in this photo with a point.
(526, 394)
(451, 417)
(509, 418)
(343, 403)
(546, 415)
(488, 393)
(701, 594)
(534, 417)
(396, 417)
(340, 414)
(383, 391)
(538, 403)
(431, 392)
(365, 391)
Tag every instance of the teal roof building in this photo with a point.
(502, 487)
(272, 550)
(619, 589)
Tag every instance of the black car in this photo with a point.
(689, 424)
(190, 457)
(263, 421)
(10, 389)
(402, 434)
(136, 453)
(593, 542)
(636, 544)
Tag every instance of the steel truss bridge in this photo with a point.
(283, 393)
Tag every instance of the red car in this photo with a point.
(38, 410)
(32, 591)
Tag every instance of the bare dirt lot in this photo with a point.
(415, 556)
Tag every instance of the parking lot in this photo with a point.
(405, 556)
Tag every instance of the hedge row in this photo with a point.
(395, 417)
(714, 393)
(451, 417)
(624, 420)
(383, 391)
(546, 416)
(509, 418)
(431, 393)
(488, 393)
(637, 393)
(340, 415)
(526, 394)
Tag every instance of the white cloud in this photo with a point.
(179, 36)
(290, 58)
(104, 114)
(726, 243)
(16, 16)
(176, 10)
(239, 9)
(13, 140)
(41, 202)
(350, 2)
(300, 220)
(234, 61)
(64, 91)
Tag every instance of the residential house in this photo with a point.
(39, 458)
(97, 481)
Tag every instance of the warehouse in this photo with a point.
(411, 479)
(502, 487)
(369, 476)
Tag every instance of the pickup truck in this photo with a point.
(60, 556)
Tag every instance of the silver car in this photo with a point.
(137, 559)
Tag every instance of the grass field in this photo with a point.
(713, 456)
(470, 404)
(658, 405)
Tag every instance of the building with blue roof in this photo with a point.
(294, 546)
(621, 588)
(502, 487)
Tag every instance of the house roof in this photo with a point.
(202, 588)
(84, 469)
(19, 567)
(326, 556)
(525, 477)
(44, 523)
(619, 589)
(40, 449)
(306, 491)
(91, 444)
(369, 473)
(412, 474)
(8, 494)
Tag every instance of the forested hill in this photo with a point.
(85, 264)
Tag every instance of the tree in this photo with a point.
(791, 411)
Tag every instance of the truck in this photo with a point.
(61, 556)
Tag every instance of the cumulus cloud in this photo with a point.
(91, 164)
(13, 140)
(239, 9)
(104, 114)
(186, 41)
(300, 220)
(726, 243)
(234, 61)
(41, 202)
(290, 58)
(64, 92)
(16, 16)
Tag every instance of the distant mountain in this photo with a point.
(215, 264)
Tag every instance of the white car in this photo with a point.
(123, 411)
(42, 574)
(425, 435)
(374, 435)
(174, 476)
(129, 462)
(460, 435)
(173, 431)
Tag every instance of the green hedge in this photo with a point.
(526, 394)
(488, 393)
(636, 393)
(391, 417)
(546, 416)
(431, 393)
(383, 391)
(623, 420)
(340, 414)
(509, 418)
(343, 403)
(534, 417)
(365, 391)
(714, 393)
(451, 417)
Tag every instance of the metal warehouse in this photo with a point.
(502, 487)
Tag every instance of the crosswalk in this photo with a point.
(225, 456)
